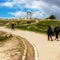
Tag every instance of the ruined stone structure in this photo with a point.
(29, 15)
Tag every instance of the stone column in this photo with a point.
(29, 15)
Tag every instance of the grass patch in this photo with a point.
(4, 36)
(40, 26)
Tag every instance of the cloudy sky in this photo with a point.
(39, 8)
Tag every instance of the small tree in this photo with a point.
(52, 17)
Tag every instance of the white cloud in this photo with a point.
(33, 4)
(13, 3)
(7, 4)
(18, 14)
(42, 8)
(24, 14)
(39, 15)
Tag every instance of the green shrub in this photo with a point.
(4, 36)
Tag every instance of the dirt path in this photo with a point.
(47, 50)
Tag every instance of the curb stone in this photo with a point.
(36, 52)
(25, 51)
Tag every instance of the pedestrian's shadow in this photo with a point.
(56, 39)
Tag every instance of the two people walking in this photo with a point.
(50, 32)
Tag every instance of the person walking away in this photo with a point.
(49, 33)
(12, 26)
(56, 31)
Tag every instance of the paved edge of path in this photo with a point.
(36, 51)
(25, 51)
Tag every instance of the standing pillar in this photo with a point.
(29, 15)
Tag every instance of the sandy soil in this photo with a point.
(9, 50)
(47, 50)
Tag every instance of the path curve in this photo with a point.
(47, 50)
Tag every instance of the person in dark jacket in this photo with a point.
(12, 26)
(56, 31)
(49, 33)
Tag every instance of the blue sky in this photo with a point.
(39, 8)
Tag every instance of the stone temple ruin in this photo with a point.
(29, 15)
